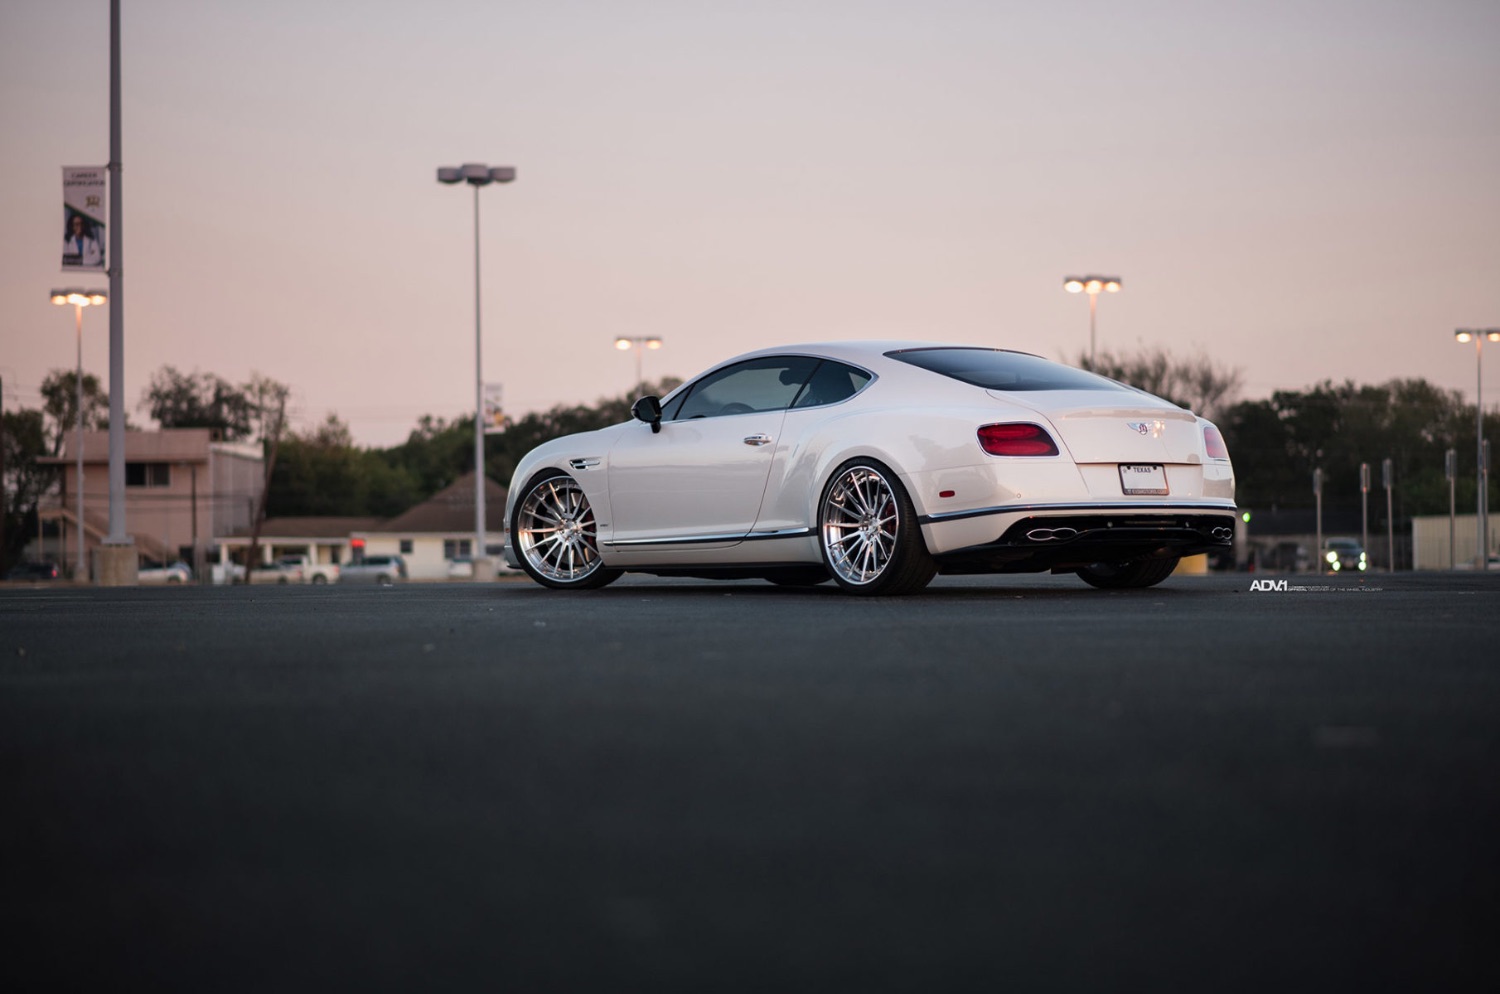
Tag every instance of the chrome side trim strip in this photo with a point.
(931, 519)
(704, 539)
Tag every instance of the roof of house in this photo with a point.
(309, 527)
(450, 510)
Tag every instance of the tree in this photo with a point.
(60, 405)
(201, 400)
(1277, 443)
(321, 472)
(1196, 382)
(23, 435)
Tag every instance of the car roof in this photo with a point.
(863, 351)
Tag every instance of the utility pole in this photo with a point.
(1450, 469)
(1390, 523)
(1364, 507)
(1318, 500)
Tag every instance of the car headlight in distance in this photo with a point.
(1213, 443)
(1333, 557)
(1017, 439)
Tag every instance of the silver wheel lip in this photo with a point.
(863, 526)
(569, 513)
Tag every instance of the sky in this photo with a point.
(1299, 189)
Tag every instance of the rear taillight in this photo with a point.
(1213, 443)
(1016, 440)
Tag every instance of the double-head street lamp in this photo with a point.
(1093, 286)
(477, 175)
(637, 342)
(79, 299)
(1478, 336)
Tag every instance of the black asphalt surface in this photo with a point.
(1016, 784)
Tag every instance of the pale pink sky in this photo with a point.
(1305, 189)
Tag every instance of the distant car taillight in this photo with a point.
(1020, 439)
(1213, 443)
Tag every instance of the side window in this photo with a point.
(766, 384)
(831, 383)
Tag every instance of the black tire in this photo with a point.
(868, 532)
(1132, 575)
(384, 581)
(319, 578)
(556, 535)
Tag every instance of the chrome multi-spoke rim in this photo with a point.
(860, 522)
(557, 532)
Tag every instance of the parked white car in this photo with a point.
(154, 572)
(382, 570)
(878, 465)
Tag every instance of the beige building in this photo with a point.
(439, 530)
(1438, 543)
(182, 488)
(322, 539)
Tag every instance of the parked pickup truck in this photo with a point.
(311, 572)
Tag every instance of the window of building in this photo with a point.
(406, 546)
(148, 474)
(453, 547)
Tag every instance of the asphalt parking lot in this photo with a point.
(1017, 782)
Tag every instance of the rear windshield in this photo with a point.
(996, 369)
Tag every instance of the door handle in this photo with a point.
(758, 440)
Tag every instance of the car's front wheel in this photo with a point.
(1131, 575)
(868, 532)
(557, 535)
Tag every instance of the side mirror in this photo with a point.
(648, 409)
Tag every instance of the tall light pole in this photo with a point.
(477, 175)
(637, 342)
(1093, 286)
(1481, 471)
(79, 299)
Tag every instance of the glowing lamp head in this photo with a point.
(1464, 337)
(1073, 285)
(79, 298)
(623, 344)
(653, 343)
(1493, 335)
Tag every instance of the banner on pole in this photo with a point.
(83, 219)
(495, 421)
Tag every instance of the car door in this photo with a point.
(698, 482)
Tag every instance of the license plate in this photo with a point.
(1142, 478)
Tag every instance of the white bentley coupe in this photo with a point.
(877, 465)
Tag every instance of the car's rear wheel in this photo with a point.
(1130, 575)
(557, 535)
(868, 532)
(319, 578)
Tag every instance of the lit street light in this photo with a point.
(1092, 285)
(79, 299)
(637, 343)
(477, 175)
(1481, 524)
